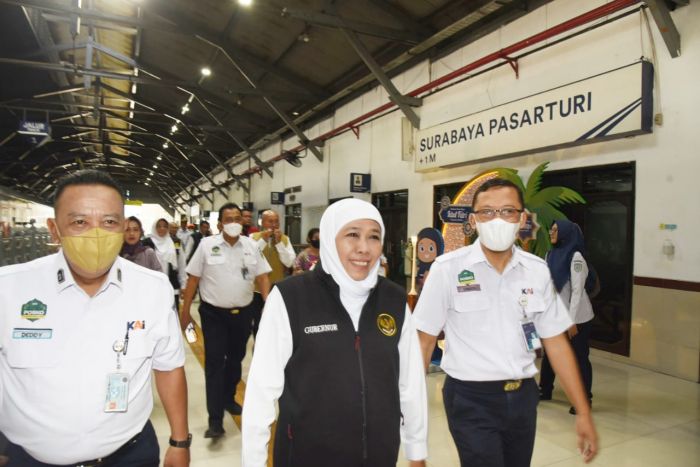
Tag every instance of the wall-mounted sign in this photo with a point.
(611, 105)
(455, 214)
(34, 128)
(360, 183)
(276, 197)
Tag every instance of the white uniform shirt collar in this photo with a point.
(220, 240)
(478, 256)
(64, 277)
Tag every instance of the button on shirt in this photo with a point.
(56, 350)
(481, 312)
(227, 272)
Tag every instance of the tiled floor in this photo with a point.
(644, 419)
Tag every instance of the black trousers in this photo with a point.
(140, 451)
(582, 351)
(256, 312)
(491, 428)
(225, 336)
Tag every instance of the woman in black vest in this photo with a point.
(338, 349)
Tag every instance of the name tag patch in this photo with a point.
(321, 328)
(25, 333)
(469, 288)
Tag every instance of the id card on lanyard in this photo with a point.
(117, 390)
(527, 326)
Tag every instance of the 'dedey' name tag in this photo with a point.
(28, 333)
(117, 397)
(469, 288)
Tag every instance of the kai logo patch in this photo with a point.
(216, 251)
(34, 310)
(134, 325)
(465, 277)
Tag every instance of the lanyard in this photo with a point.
(120, 347)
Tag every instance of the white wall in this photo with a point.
(666, 161)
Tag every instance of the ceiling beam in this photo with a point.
(405, 103)
(662, 16)
(174, 27)
(92, 14)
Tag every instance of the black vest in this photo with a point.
(340, 406)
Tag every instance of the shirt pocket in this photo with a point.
(139, 350)
(250, 261)
(535, 306)
(213, 260)
(473, 312)
(29, 353)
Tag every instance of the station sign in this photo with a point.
(611, 105)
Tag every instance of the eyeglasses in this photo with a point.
(508, 214)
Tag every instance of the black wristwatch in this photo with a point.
(181, 444)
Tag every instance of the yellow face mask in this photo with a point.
(94, 250)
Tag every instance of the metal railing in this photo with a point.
(25, 244)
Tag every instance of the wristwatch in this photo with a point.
(181, 444)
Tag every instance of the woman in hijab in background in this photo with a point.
(570, 273)
(134, 250)
(338, 348)
(172, 264)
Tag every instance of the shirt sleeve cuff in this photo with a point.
(416, 451)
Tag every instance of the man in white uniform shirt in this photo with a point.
(80, 332)
(226, 267)
(496, 305)
(183, 233)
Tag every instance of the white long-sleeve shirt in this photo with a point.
(284, 250)
(573, 293)
(273, 348)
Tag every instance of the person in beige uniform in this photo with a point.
(279, 253)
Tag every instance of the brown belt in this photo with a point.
(507, 385)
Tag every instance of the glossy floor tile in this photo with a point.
(643, 418)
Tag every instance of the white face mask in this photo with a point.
(497, 235)
(233, 229)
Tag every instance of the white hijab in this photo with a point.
(165, 248)
(353, 294)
